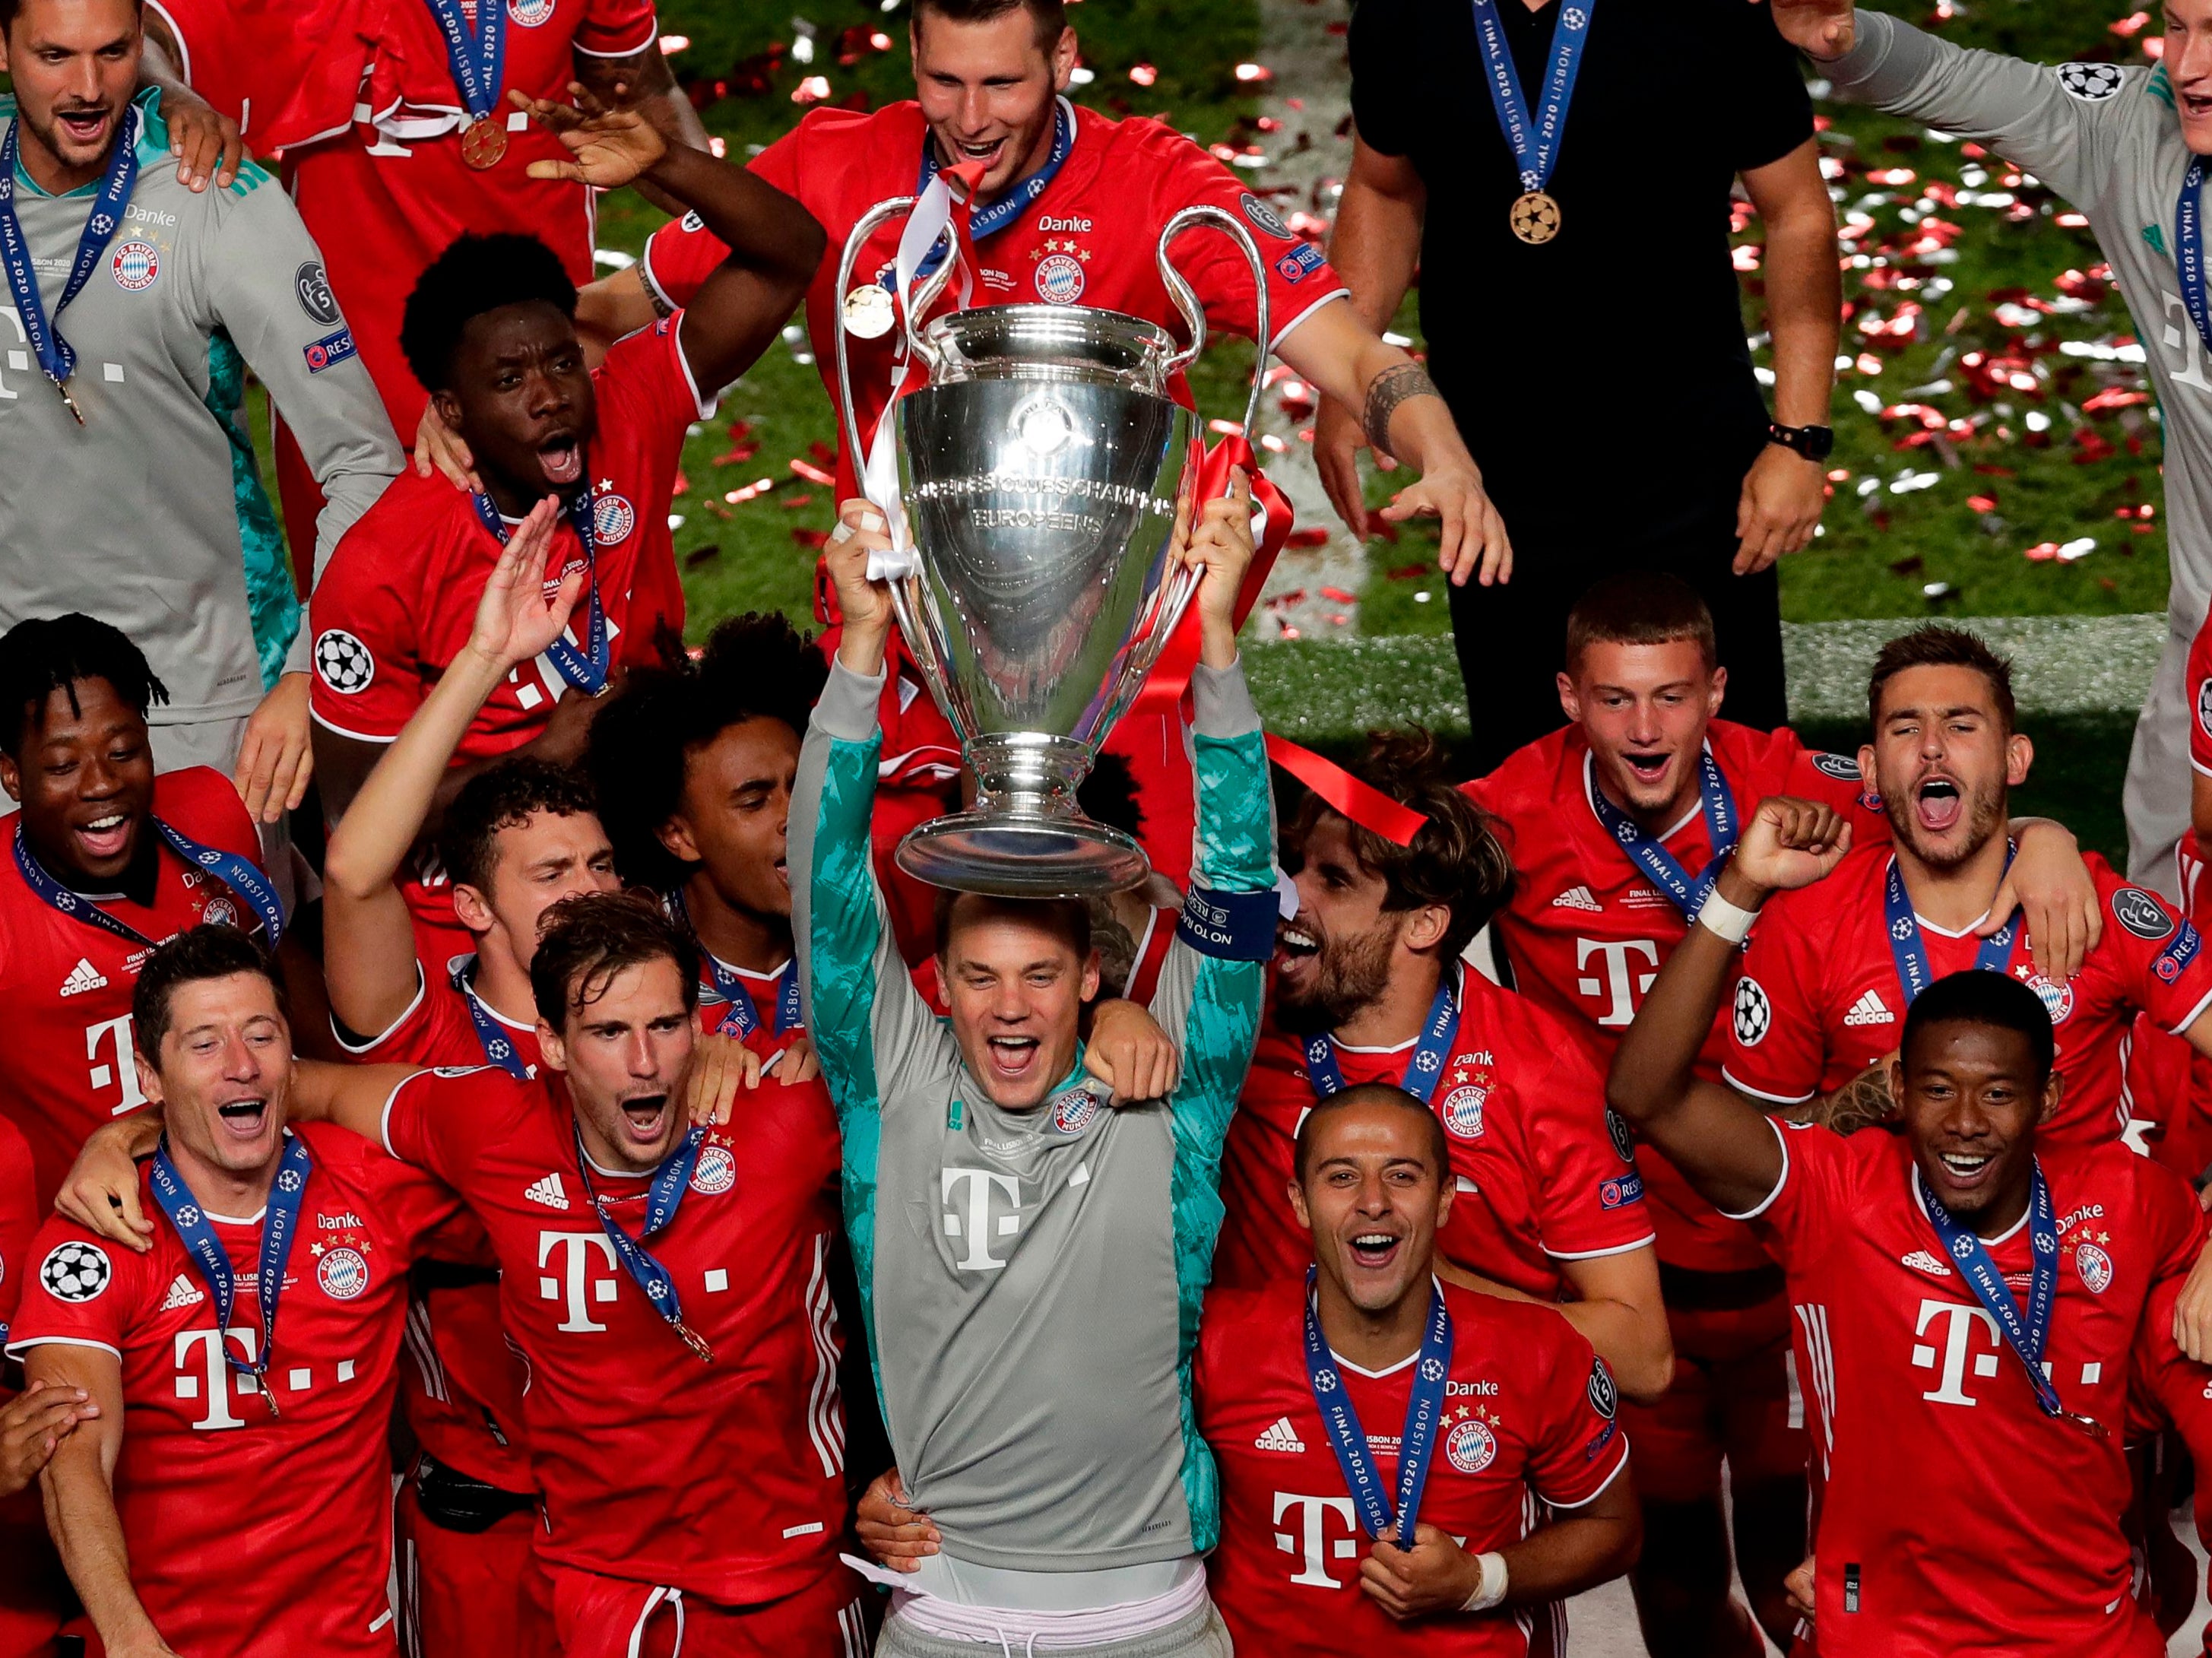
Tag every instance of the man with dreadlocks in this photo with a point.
(102, 862)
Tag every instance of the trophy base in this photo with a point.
(1021, 857)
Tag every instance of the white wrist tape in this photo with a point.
(1491, 1589)
(1724, 919)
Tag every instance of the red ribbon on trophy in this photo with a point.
(1362, 802)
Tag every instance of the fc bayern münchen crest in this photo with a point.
(1462, 1112)
(612, 520)
(135, 264)
(2095, 1268)
(1058, 280)
(715, 1172)
(1072, 1111)
(219, 912)
(1471, 1447)
(2058, 999)
(343, 1274)
(530, 13)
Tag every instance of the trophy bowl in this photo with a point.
(1040, 474)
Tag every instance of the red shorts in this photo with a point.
(1735, 1397)
(613, 1618)
(469, 1594)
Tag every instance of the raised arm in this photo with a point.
(1713, 1134)
(78, 1491)
(867, 1019)
(2020, 110)
(368, 938)
(775, 243)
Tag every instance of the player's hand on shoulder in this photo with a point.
(514, 620)
(1130, 1053)
(100, 1191)
(439, 448)
(798, 1063)
(1790, 843)
(204, 141)
(722, 1068)
(1819, 28)
(899, 1537)
(2056, 896)
(608, 148)
(32, 1425)
(1435, 1575)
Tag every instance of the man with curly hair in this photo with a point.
(1368, 986)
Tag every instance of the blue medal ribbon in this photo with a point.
(55, 354)
(1914, 973)
(491, 1035)
(1422, 1071)
(1535, 138)
(586, 670)
(662, 1199)
(989, 221)
(2189, 249)
(2026, 1335)
(478, 63)
(278, 1224)
(1649, 854)
(236, 872)
(743, 1016)
(1425, 1412)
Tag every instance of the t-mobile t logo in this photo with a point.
(1311, 1543)
(1622, 984)
(204, 1373)
(576, 1286)
(968, 1217)
(119, 1066)
(1966, 1329)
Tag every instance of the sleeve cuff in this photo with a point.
(850, 704)
(1780, 1181)
(1223, 702)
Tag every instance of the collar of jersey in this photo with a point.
(1459, 1006)
(153, 142)
(1927, 925)
(1920, 1196)
(1074, 1077)
(1589, 793)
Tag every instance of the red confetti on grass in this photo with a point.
(1306, 538)
(810, 538)
(811, 473)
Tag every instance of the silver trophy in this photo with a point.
(1041, 471)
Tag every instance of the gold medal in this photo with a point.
(868, 312)
(1536, 218)
(484, 142)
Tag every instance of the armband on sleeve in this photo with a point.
(1235, 926)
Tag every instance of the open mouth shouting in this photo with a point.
(1649, 769)
(1297, 941)
(644, 1119)
(988, 152)
(88, 127)
(1938, 804)
(104, 839)
(242, 1119)
(561, 457)
(1373, 1249)
(1012, 1058)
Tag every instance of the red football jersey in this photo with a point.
(461, 1390)
(33, 1599)
(399, 597)
(1542, 1167)
(726, 1481)
(1089, 239)
(1528, 1420)
(1820, 1000)
(1936, 1456)
(67, 983)
(1586, 929)
(290, 1514)
(388, 194)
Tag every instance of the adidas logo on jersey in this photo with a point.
(1576, 898)
(83, 977)
(1281, 1437)
(547, 1191)
(1869, 1010)
(1921, 1260)
(182, 1293)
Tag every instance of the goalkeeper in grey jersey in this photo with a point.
(2119, 143)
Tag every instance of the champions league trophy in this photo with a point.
(1040, 471)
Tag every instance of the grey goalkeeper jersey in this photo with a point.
(135, 516)
(2105, 137)
(1032, 1279)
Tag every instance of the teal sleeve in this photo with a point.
(271, 593)
(1215, 1003)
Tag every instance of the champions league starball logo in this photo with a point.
(343, 662)
(288, 1181)
(75, 1271)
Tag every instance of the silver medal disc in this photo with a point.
(868, 312)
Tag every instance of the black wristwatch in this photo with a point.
(1814, 442)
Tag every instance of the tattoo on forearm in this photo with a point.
(1386, 392)
(1859, 1103)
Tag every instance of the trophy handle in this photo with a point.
(922, 299)
(1193, 313)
